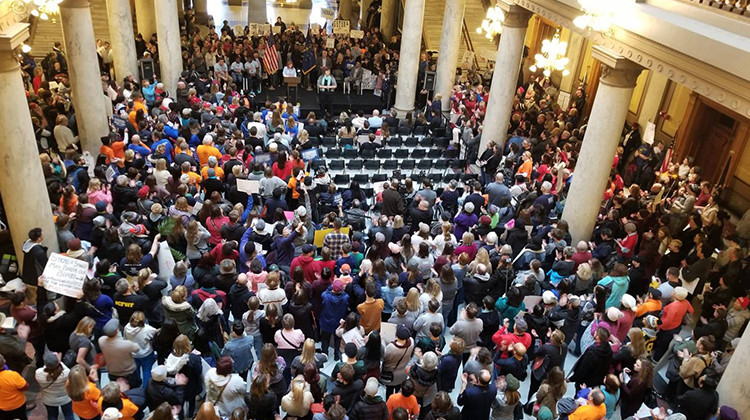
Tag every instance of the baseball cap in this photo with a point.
(101, 206)
(110, 328)
(521, 324)
(51, 361)
(338, 286)
(111, 414)
(402, 333)
(345, 268)
(307, 248)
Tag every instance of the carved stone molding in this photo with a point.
(617, 71)
(10, 39)
(515, 16)
(711, 82)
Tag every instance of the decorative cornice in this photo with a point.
(617, 71)
(515, 16)
(711, 82)
(10, 39)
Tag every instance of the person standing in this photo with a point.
(52, 378)
(12, 397)
(326, 86)
(477, 396)
(118, 353)
(34, 262)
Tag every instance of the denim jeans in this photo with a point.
(145, 364)
(53, 411)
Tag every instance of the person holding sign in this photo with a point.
(326, 86)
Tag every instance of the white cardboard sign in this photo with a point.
(65, 275)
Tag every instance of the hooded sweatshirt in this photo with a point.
(141, 336)
(309, 267)
(233, 393)
(619, 287)
(182, 313)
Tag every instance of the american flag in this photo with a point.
(271, 57)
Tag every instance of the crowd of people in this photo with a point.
(430, 301)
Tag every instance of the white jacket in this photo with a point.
(141, 336)
(233, 395)
(53, 394)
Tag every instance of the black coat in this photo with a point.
(368, 408)
(593, 365)
(237, 297)
(159, 392)
(34, 261)
(698, 404)
(263, 408)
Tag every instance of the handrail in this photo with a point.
(469, 43)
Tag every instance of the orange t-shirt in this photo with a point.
(136, 106)
(11, 390)
(204, 152)
(88, 408)
(409, 404)
(525, 169)
(72, 205)
(129, 409)
(589, 412)
(219, 172)
(370, 312)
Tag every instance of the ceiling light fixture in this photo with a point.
(552, 58)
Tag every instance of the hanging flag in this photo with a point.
(308, 56)
(271, 57)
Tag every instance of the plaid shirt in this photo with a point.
(335, 242)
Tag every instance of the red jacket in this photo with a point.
(308, 264)
(503, 339)
(671, 316)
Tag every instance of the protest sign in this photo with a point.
(330, 42)
(276, 29)
(356, 34)
(253, 27)
(327, 13)
(467, 60)
(315, 28)
(247, 186)
(166, 261)
(65, 275)
(321, 234)
(341, 27)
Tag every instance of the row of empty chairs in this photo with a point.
(387, 153)
(436, 178)
(389, 165)
(393, 141)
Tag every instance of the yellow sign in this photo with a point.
(321, 234)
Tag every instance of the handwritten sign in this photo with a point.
(341, 27)
(276, 29)
(330, 43)
(315, 28)
(356, 34)
(253, 28)
(649, 133)
(65, 275)
(327, 13)
(320, 235)
(166, 261)
(247, 186)
(264, 28)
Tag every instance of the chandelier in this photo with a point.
(43, 9)
(598, 15)
(552, 58)
(492, 25)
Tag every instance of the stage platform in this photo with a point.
(341, 102)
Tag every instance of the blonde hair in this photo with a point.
(95, 184)
(467, 238)
(179, 294)
(432, 288)
(412, 300)
(308, 352)
(181, 345)
(298, 388)
(85, 326)
(77, 384)
(483, 257)
(272, 281)
(637, 343)
(138, 319)
(161, 165)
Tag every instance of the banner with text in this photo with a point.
(327, 13)
(341, 27)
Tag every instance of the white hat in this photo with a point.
(158, 373)
(614, 314)
(628, 302)
(301, 211)
(548, 297)
(111, 414)
(469, 207)
(680, 293)
(371, 388)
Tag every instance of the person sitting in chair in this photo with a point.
(354, 78)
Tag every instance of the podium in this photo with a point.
(291, 88)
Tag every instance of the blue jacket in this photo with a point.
(284, 248)
(335, 308)
(168, 146)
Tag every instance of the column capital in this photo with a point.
(515, 15)
(75, 4)
(617, 71)
(10, 39)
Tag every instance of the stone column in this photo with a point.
(453, 23)
(21, 179)
(121, 37)
(388, 19)
(363, 6)
(345, 9)
(85, 75)
(411, 48)
(734, 386)
(505, 76)
(170, 54)
(603, 133)
(201, 11)
(145, 18)
(256, 11)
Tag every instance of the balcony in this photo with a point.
(732, 7)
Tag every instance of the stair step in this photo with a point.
(46, 33)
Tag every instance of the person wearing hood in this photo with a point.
(618, 282)
(371, 405)
(183, 361)
(207, 291)
(141, 333)
(593, 365)
(34, 262)
(477, 286)
(224, 387)
(162, 390)
(424, 372)
(307, 262)
(178, 309)
(510, 305)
